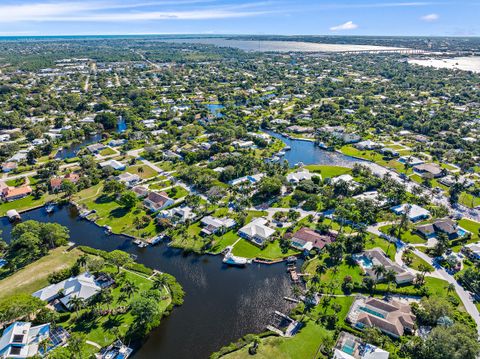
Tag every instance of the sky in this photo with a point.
(282, 17)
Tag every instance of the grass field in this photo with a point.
(110, 213)
(417, 262)
(407, 236)
(26, 203)
(34, 276)
(272, 250)
(177, 192)
(107, 151)
(328, 171)
(143, 171)
(469, 200)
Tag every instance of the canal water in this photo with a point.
(71, 151)
(221, 304)
(309, 153)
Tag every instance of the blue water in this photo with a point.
(70, 152)
(309, 153)
(365, 262)
(215, 109)
(122, 125)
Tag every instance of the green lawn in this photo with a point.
(143, 171)
(471, 226)
(35, 275)
(329, 171)
(469, 200)
(26, 203)
(407, 236)
(386, 246)
(99, 330)
(222, 242)
(177, 192)
(272, 250)
(417, 262)
(375, 157)
(107, 151)
(120, 219)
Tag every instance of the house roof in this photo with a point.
(257, 228)
(158, 199)
(82, 286)
(17, 191)
(309, 235)
(430, 168)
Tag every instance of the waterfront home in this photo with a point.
(129, 179)
(213, 225)
(300, 129)
(247, 179)
(157, 201)
(22, 340)
(257, 231)
(178, 214)
(352, 184)
(96, 147)
(13, 193)
(349, 346)
(386, 151)
(415, 213)
(116, 143)
(367, 145)
(444, 225)
(429, 170)
(83, 286)
(305, 239)
(302, 175)
(377, 257)
(116, 165)
(392, 318)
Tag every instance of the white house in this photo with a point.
(21, 340)
(129, 179)
(116, 165)
(213, 225)
(299, 176)
(179, 214)
(415, 213)
(257, 231)
(83, 286)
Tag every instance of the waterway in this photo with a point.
(468, 63)
(309, 153)
(221, 304)
(215, 109)
(72, 150)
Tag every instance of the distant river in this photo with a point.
(471, 63)
(222, 303)
(280, 46)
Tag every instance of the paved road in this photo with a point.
(465, 297)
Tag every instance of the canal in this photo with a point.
(221, 304)
(309, 153)
(72, 150)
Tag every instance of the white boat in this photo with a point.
(232, 260)
(139, 243)
(50, 208)
(287, 148)
(156, 240)
(281, 153)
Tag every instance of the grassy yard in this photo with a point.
(143, 171)
(407, 236)
(34, 276)
(107, 151)
(109, 212)
(386, 246)
(177, 192)
(221, 242)
(469, 200)
(375, 157)
(471, 226)
(272, 250)
(26, 203)
(417, 262)
(328, 171)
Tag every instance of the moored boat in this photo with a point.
(49, 208)
(13, 215)
(232, 260)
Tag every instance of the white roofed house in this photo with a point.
(22, 340)
(415, 213)
(178, 214)
(83, 286)
(129, 179)
(212, 225)
(157, 201)
(302, 175)
(257, 231)
(116, 165)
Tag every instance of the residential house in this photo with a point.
(392, 318)
(96, 147)
(140, 191)
(213, 225)
(367, 145)
(429, 170)
(83, 286)
(9, 166)
(415, 213)
(373, 196)
(129, 179)
(13, 193)
(257, 231)
(410, 160)
(377, 257)
(157, 201)
(444, 225)
(116, 165)
(22, 340)
(305, 239)
(178, 214)
(450, 180)
(472, 250)
(302, 175)
(349, 346)
(56, 182)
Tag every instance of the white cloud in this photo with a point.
(430, 17)
(349, 25)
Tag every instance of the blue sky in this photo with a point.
(341, 17)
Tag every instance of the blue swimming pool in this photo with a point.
(364, 261)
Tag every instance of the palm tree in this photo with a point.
(44, 345)
(77, 303)
(129, 288)
(159, 282)
(390, 276)
(379, 270)
(82, 260)
(450, 288)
